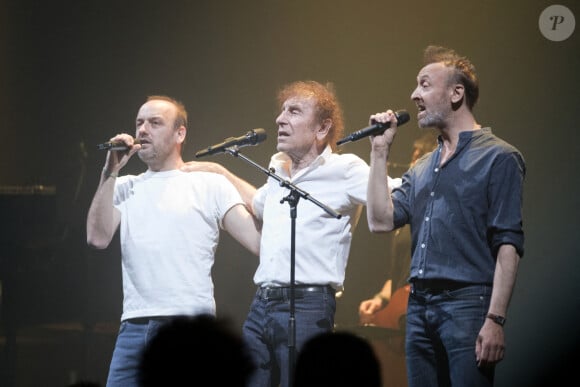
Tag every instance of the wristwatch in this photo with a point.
(496, 318)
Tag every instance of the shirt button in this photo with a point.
(422, 245)
(436, 169)
(432, 193)
(426, 219)
(420, 271)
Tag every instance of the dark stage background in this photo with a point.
(74, 73)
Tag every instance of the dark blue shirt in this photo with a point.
(462, 212)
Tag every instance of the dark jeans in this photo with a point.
(132, 338)
(266, 331)
(442, 328)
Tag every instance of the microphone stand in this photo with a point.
(292, 198)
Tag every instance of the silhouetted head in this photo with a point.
(337, 359)
(193, 351)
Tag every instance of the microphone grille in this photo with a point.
(402, 117)
(260, 134)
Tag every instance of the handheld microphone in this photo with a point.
(253, 137)
(115, 145)
(376, 128)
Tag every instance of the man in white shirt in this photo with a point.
(169, 227)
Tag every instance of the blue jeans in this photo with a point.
(266, 332)
(132, 338)
(442, 329)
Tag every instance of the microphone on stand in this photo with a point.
(116, 145)
(376, 128)
(253, 137)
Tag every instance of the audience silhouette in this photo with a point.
(337, 359)
(198, 350)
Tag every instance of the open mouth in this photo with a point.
(421, 109)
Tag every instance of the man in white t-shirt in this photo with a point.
(169, 228)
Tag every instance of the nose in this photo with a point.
(415, 94)
(281, 118)
(142, 128)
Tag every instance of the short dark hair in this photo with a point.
(464, 71)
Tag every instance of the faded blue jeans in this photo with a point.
(266, 332)
(442, 329)
(132, 338)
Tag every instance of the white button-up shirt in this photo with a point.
(338, 181)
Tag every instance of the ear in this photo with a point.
(457, 93)
(325, 126)
(181, 132)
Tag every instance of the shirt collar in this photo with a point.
(280, 161)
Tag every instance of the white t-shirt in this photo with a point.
(170, 224)
(322, 241)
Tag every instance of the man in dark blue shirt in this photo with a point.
(463, 202)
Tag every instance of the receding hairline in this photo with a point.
(181, 115)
